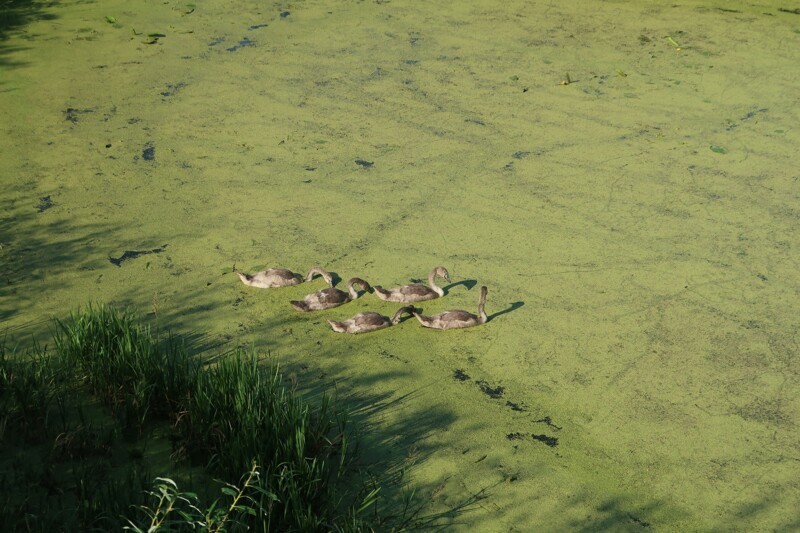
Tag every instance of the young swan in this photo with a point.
(416, 292)
(330, 297)
(369, 321)
(456, 319)
(280, 277)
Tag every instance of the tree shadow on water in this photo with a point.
(388, 455)
(14, 16)
(42, 253)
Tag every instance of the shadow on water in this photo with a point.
(468, 283)
(14, 15)
(394, 429)
(513, 307)
(40, 252)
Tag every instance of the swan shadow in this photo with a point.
(468, 283)
(335, 279)
(513, 307)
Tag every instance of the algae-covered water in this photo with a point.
(622, 176)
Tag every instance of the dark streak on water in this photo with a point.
(549, 421)
(133, 254)
(243, 43)
(492, 392)
(71, 114)
(550, 441)
(172, 90)
(515, 406)
(460, 375)
(639, 521)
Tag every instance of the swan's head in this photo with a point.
(361, 283)
(443, 273)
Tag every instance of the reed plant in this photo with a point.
(227, 417)
(31, 387)
(242, 413)
(134, 374)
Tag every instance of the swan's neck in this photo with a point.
(432, 283)
(351, 289)
(320, 272)
(399, 313)
(481, 311)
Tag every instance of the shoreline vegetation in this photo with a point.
(84, 428)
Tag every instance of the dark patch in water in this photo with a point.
(216, 40)
(71, 114)
(243, 43)
(285, 14)
(515, 436)
(172, 90)
(745, 118)
(520, 155)
(460, 375)
(257, 26)
(45, 203)
(639, 521)
(365, 164)
(133, 254)
(549, 421)
(492, 392)
(477, 121)
(515, 407)
(550, 441)
(149, 153)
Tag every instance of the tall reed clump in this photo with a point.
(131, 372)
(55, 464)
(227, 417)
(241, 413)
(33, 395)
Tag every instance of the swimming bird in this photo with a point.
(456, 319)
(330, 297)
(369, 321)
(280, 277)
(416, 292)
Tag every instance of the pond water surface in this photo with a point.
(622, 176)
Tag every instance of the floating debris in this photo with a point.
(45, 203)
(149, 153)
(71, 114)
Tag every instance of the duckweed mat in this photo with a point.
(622, 176)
